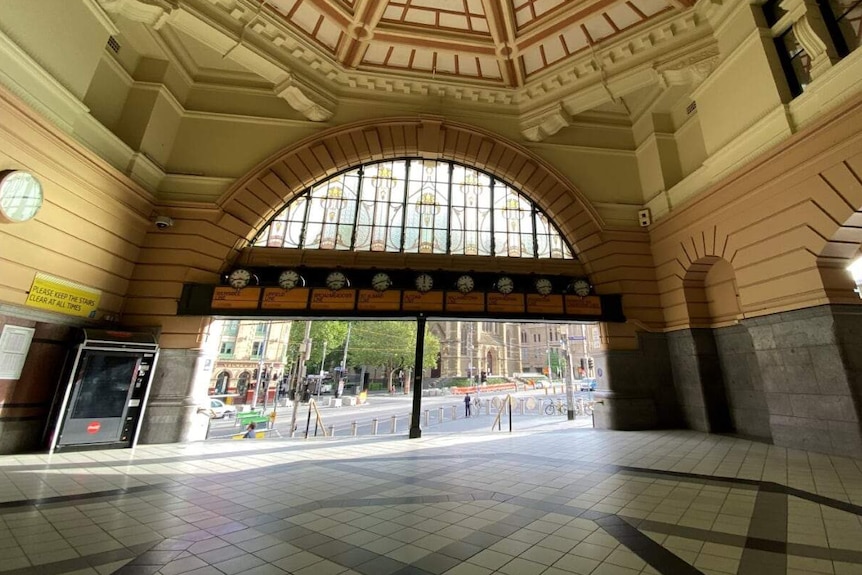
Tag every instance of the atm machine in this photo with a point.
(101, 400)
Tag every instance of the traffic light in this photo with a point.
(590, 363)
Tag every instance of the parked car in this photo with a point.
(220, 410)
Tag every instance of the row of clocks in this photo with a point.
(423, 282)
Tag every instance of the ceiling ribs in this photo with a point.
(360, 31)
(501, 23)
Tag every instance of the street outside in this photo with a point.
(393, 412)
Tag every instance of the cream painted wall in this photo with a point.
(743, 89)
(92, 223)
(68, 42)
(107, 93)
(690, 146)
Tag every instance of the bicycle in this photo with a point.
(558, 408)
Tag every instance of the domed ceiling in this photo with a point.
(547, 61)
(497, 42)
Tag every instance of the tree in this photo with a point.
(390, 345)
(333, 333)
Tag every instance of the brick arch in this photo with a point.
(259, 195)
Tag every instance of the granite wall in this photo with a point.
(635, 388)
(809, 362)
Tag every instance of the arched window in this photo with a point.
(242, 383)
(222, 383)
(416, 206)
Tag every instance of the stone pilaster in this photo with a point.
(176, 394)
(635, 387)
(809, 361)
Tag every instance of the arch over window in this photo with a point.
(416, 205)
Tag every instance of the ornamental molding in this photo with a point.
(311, 80)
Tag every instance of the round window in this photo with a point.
(20, 196)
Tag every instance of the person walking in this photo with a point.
(467, 402)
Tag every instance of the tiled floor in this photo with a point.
(553, 501)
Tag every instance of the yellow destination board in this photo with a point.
(277, 298)
(423, 301)
(590, 305)
(457, 301)
(326, 299)
(230, 298)
(56, 294)
(544, 303)
(506, 303)
(372, 300)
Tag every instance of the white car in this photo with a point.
(218, 409)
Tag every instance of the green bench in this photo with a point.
(257, 417)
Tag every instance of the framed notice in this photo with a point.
(422, 301)
(506, 303)
(230, 298)
(277, 298)
(589, 305)
(14, 346)
(325, 299)
(373, 300)
(457, 301)
(552, 303)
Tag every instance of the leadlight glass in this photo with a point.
(416, 206)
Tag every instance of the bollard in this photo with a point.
(353, 431)
(331, 431)
(374, 426)
(520, 406)
(440, 415)
(394, 424)
(454, 412)
(427, 417)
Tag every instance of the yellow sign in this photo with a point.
(506, 303)
(371, 300)
(456, 301)
(544, 303)
(589, 305)
(56, 294)
(277, 298)
(230, 298)
(333, 300)
(423, 301)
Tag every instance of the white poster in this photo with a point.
(14, 345)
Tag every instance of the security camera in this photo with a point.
(163, 222)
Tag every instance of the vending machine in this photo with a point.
(101, 400)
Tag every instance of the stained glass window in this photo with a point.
(416, 206)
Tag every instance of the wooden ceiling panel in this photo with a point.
(458, 38)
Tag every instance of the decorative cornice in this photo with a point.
(311, 80)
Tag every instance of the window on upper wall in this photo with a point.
(260, 329)
(256, 349)
(847, 29)
(231, 328)
(416, 206)
(843, 20)
(226, 348)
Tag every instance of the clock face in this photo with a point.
(424, 282)
(288, 279)
(381, 281)
(505, 285)
(20, 196)
(581, 288)
(465, 284)
(336, 281)
(544, 286)
(239, 278)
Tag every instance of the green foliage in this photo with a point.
(387, 344)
